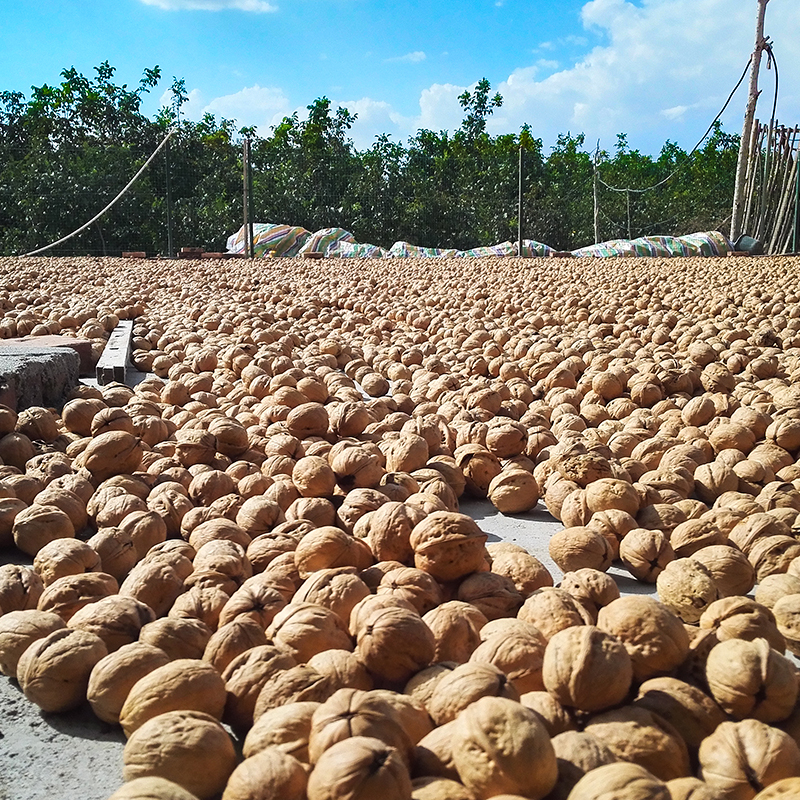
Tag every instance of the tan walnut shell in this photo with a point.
(54, 671)
(742, 758)
(586, 668)
(499, 746)
(448, 545)
(360, 767)
(654, 637)
(750, 679)
(189, 748)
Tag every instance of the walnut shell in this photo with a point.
(636, 735)
(387, 531)
(360, 767)
(408, 583)
(750, 679)
(579, 547)
(730, 570)
(556, 717)
(182, 685)
(189, 748)
(576, 754)
(298, 684)
(518, 654)
(20, 587)
(328, 547)
(18, 630)
(352, 712)
(525, 570)
(114, 676)
(692, 712)
(157, 581)
(117, 620)
(439, 789)
(244, 679)
(552, 610)
(393, 644)
(151, 788)
(513, 491)
(621, 781)
(499, 746)
(645, 553)
(64, 596)
(773, 554)
(37, 525)
(495, 596)
(304, 629)
(586, 668)
(448, 545)
(465, 684)
(654, 637)
(787, 618)
(65, 557)
(740, 759)
(54, 671)
(270, 773)
(287, 727)
(774, 587)
(231, 640)
(433, 755)
(686, 587)
(742, 618)
(591, 588)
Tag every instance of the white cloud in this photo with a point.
(256, 105)
(439, 108)
(676, 112)
(374, 117)
(257, 6)
(663, 72)
(411, 58)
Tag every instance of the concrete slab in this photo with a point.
(31, 376)
(83, 347)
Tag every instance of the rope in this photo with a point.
(108, 207)
(695, 148)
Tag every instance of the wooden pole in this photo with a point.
(750, 112)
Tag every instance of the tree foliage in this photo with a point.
(66, 150)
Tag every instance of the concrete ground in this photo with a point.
(75, 756)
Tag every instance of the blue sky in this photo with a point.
(653, 69)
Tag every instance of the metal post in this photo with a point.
(170, 243)
(248, 240)
(519, 207)
(752, 99)
(596, 198)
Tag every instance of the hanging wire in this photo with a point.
(705, 135)
(108, 207)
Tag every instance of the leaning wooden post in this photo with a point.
(752, 99)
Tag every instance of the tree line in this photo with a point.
(67, 149)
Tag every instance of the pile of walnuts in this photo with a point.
(254, 560)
